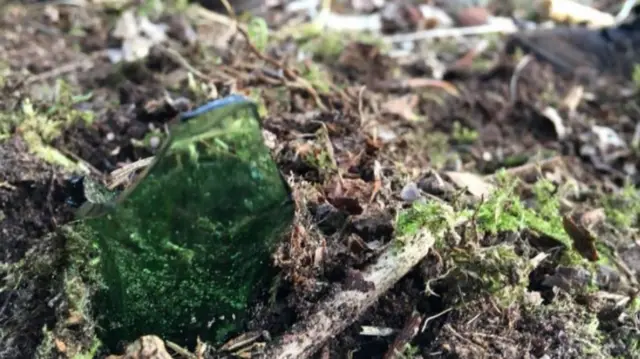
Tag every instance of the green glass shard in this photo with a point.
(185, 249)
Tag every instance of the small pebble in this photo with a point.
(434, 185)
(154, 142)
(410, 193)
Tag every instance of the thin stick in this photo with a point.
(180, 350)
(502, 27)
(120, 175)
(298, 81)
(513, 90)
(180, 60)
(407, 334)
(341, 308)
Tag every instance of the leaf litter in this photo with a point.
(512, 275)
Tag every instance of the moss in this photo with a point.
(327, 45)
(317, 77)
(622, 208)
(504, 211)
(199, 90)
(495, 270)
(434, 143)
(91, 352)
(258, 33)
(256, 96)
(432, 215)
(463, 135)
(47, 346)
(636, 75)
(579, 324)
(40, 126)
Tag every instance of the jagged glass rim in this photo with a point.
(224, 106)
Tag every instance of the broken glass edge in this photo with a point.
(229, 104)
(284, 212)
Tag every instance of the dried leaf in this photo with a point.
(583, 239)
(60, 345)
(402, 106)
(75, 318)
(475, 184)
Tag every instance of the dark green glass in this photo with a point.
(185, 250)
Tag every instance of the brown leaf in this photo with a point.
(583, 239)
(402, 106)
(74, 318)
(60, 345)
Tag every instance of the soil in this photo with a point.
(128, 102)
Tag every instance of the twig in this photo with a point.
(466, 61)
(625, 11)
(405, 336)
(59, 71)
(180, 350)
(341, 308)
(230, 11)
(424, 325)
(527, 168)
(180, 60)
(461, 337)
(120, 175)
(501, 27)
(377, 183)
(416, 83)
(361, 104)
(516, 75)
(82, 161)
(241, 341)
(290, 75)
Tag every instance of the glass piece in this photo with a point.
(187, 247)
